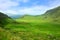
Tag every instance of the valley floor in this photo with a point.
(30, 30)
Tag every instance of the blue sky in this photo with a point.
(32, 7)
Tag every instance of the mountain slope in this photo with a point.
(53, 12)
(53, 15)
(4, 19)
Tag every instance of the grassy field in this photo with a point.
(31, 29)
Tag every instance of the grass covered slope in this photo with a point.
(53, 15)
(4, 19)
(40, 27)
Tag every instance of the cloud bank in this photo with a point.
(32, 7)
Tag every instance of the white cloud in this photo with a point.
(53, 3)
(24, 1)
(35, 10)
(7, 6)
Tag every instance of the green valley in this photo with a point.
(29, 27)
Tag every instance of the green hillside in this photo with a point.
(4, 20)
(53, 14)
(29, 27)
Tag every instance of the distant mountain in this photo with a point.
(16, 16)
